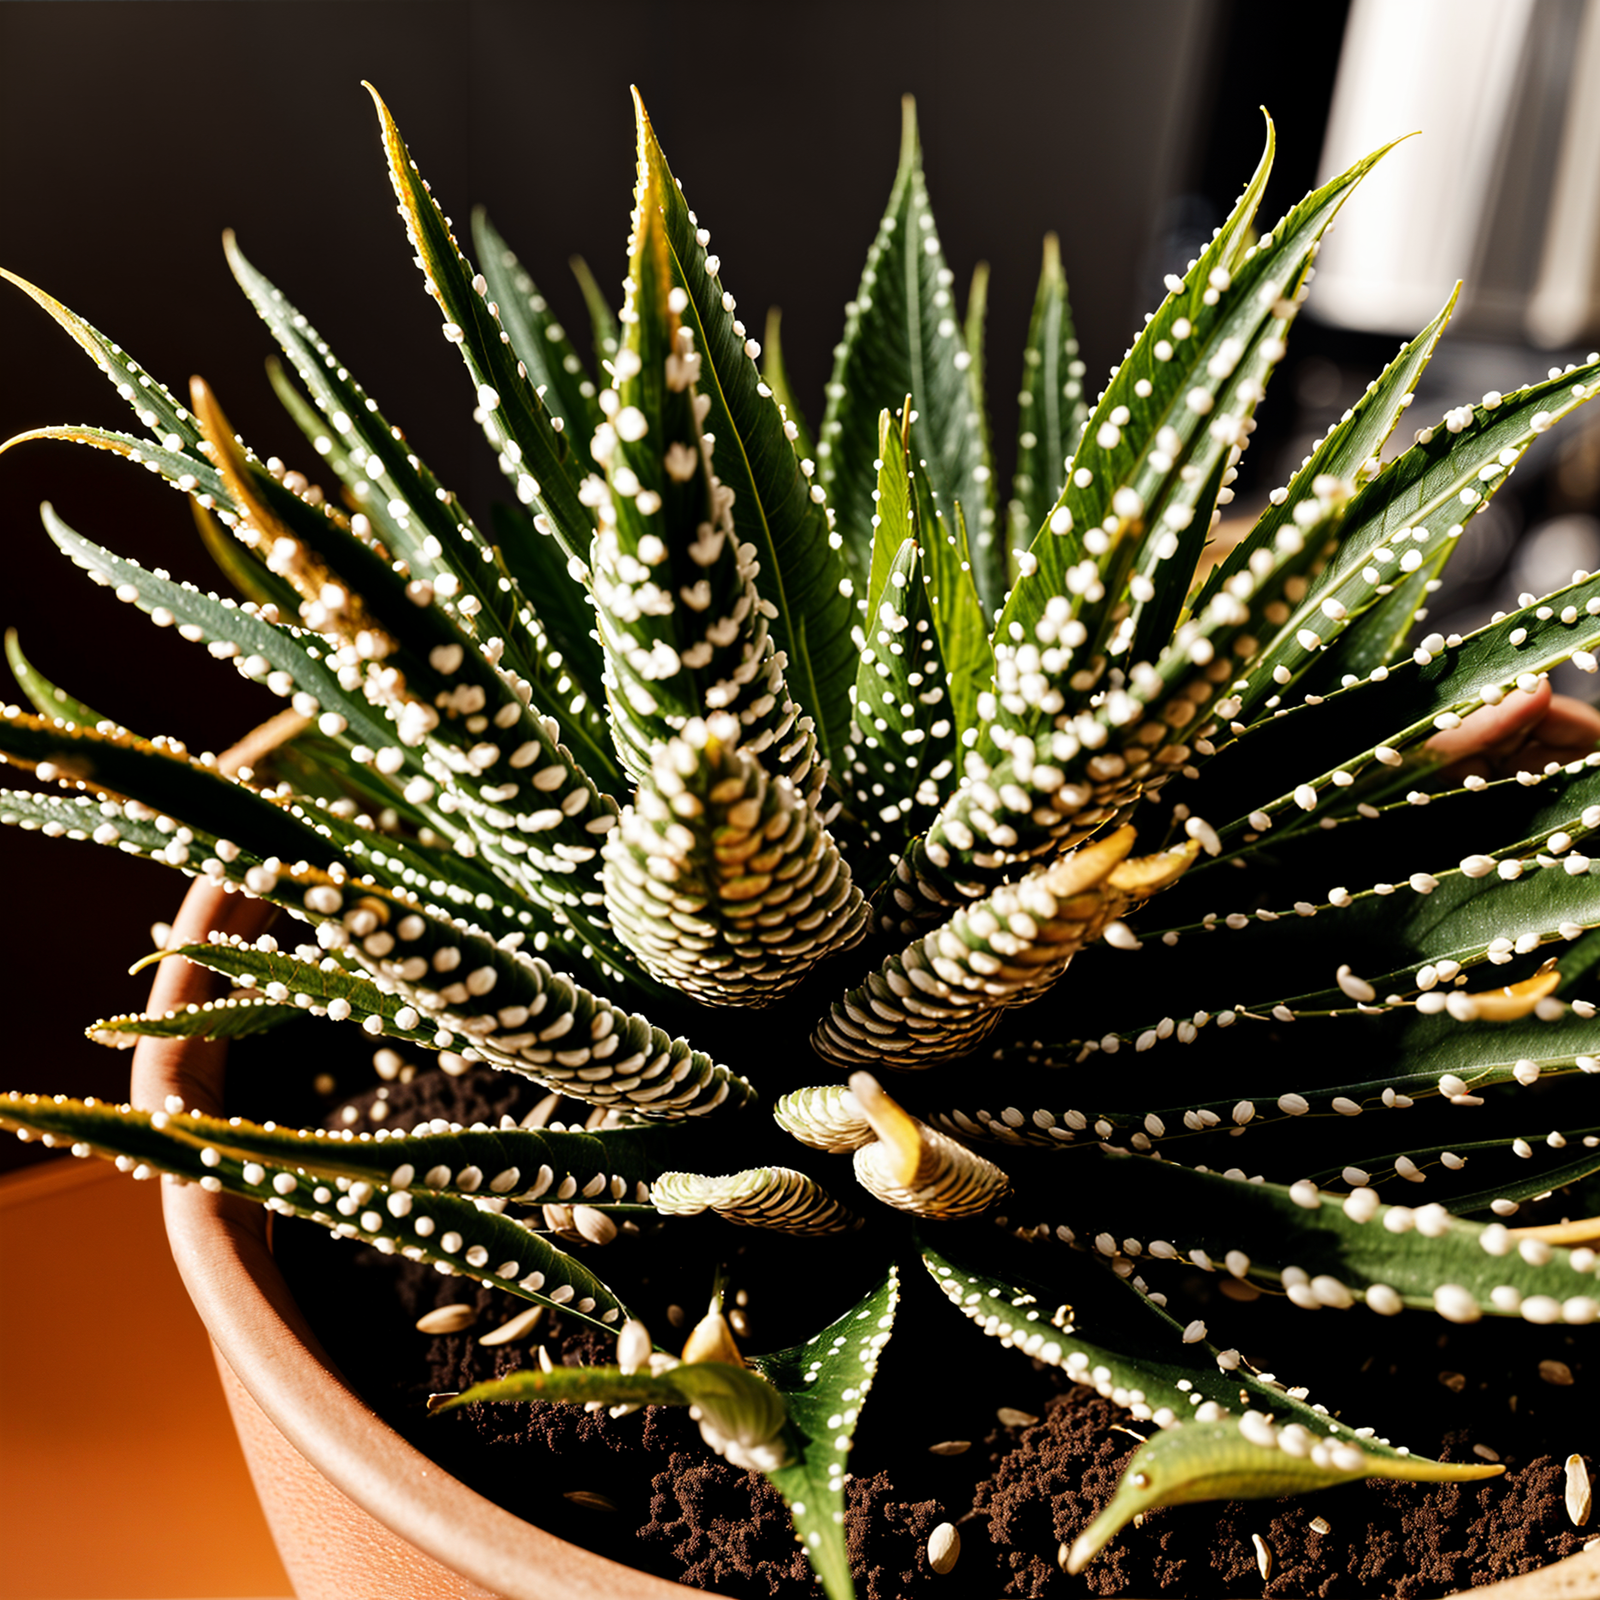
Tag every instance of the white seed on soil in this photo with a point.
(1010, 1417)
(447, 1319)
(944, 1546)
(519, 1327)
(1320, 1525)
(1263, 1556)
(1579, 1498)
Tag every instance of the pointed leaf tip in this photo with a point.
(908, 129)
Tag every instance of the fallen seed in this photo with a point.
(594, 1225)
(1263, 1556)
(447, 1319)
(589, 1499)
(519, 1327)
(1453, 1381)
(436, 1401)
(675, 1315)
(1320, 1525)
(944, 1547)
(950, 1447)
(1485, 1453)
(1556, 1372)
(1063, 1552)
(1010, 1417)
(1579, 1499)
(545, 1363)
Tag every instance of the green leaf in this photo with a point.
(481, 587)
(244, 571)
(1376, 730)
(957, 611)
(455, 1233)
(534, 455)
(1173, 415)
(537, 337)
(539, 1023)
(602, 319)
(1053, 414)
(232, 1018)
(1329, 1251)
(45, 697)
(1112, 1336)
(759, 893)
(1243, 1460)
(776, 377)
(154, 405)
(775, 507)
(902, 337)
(973, 330)
(684, 629)
(907, 737)
(824, 1382)
(1398, 532)
(759, 1197)
(1350, 453)
(241, 634)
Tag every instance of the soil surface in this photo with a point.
(651, 1495)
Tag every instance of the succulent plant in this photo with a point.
(717, 720)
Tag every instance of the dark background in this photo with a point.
(132, 133)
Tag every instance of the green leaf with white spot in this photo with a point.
(542, 344)
(1399, 531)
(1207, 1405)
(1232, 1460)
(776, 376)
(233, 1018)
(533, 455)
(907, 736)
(1052, 416)
(1173, 416)
(824, 1382)
(44, 696)
(1327, 1250)
(903, 337)
(802, 572)
(454, 1232)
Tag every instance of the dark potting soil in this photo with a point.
(1019, 1489)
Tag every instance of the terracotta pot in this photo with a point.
(355, 1510)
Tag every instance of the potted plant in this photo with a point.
(722, 720)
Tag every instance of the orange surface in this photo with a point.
(120, 1475)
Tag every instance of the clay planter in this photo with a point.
(354, 1508)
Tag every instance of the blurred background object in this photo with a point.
(1500, 190)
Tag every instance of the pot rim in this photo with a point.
(219, 1243)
